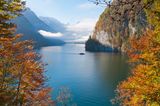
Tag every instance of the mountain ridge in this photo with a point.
(53, 23)
(30, 31)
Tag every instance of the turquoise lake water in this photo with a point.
(89, 79)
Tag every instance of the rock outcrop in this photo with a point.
(95, 46)
(113, 32)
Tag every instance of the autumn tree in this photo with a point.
(142, 87)
(22, 80)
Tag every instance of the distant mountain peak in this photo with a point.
(29, 24)
(54, 23)
(37, 23)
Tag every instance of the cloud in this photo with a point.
(76, 32)
(83, 27)
(87, 5)
(79, 39)
(50, 34)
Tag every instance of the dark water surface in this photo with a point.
(91, 78)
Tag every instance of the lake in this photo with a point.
(89, 79)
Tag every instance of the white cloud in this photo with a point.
(50, 34)
(87, 5)
(83, 27)
(83, 38)
(79, 39)
(76, 32)
(80, 31)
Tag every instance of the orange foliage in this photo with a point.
(143, 87)
(22, 82)
(21, 74)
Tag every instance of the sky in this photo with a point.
(67, 11)
(80, 15)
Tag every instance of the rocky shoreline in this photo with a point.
(94, 46)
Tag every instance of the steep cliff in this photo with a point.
(113, 31)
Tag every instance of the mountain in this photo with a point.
(113, 32)
(29, 28)
(54, 24)
(71, 33)
(36, 22)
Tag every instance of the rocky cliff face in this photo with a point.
(95, 46)
(113, 31)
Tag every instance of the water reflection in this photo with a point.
(92, 77)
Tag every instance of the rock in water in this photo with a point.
(95, 46)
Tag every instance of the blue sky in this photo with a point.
(80, 16)
(67, 11)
